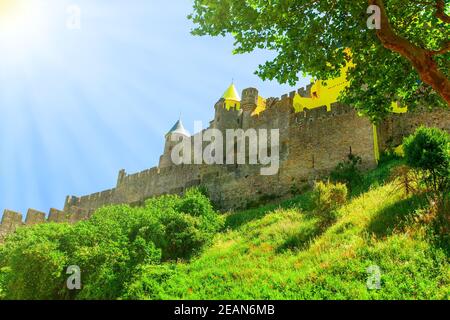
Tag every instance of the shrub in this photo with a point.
(428, 150)
(3, 275)
(110, 247)
(294, 189)
(148, 282)
(33, 263)
(348, 171)
(195, 203)
(406, 179)
(162, 203)
(183, 236)
(328, 197)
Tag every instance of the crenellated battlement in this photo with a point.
(304, 92)
(12, 220)
(34, 217)
(149, 173)
(308, 115)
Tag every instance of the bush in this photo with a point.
(183, 235)
(3, 275)
(348, 171)
(33, 264)
(406, 179)
(328, 197)
(110, 247)
(148, 282)
(428, 150)
(195, 203)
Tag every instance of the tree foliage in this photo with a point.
(110, 248)
(311, 36)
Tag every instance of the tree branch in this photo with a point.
(421, 59)
(445, 48)
(440, 11)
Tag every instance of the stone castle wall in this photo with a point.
(397, 126)
(312, 143)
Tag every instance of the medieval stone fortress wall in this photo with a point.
(313, 140)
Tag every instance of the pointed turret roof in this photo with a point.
(178, 128)
(231, 93)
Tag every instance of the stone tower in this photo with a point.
(249, 103)
(226, 119)
(228, 113)
(173, 137)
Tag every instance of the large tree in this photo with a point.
(407, 59)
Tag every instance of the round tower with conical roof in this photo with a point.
(228, 113)
(173, 137)
(231, 98)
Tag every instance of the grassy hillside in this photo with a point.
(284, 252)
(179, 248)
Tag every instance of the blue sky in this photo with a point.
(76, 106)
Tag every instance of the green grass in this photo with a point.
(283, 251)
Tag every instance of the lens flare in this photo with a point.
(23, 25)
(6, 6)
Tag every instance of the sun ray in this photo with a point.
(99, 98)
(23, 25)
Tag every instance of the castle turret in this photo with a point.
(249, 104)
(122, 175)
(228, 113)
(231, 98)
(172, 139)
(249, 100)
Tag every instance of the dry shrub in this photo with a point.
(407, 180)
(328, 197)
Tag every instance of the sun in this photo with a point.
(23, 24)
(6, 5)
